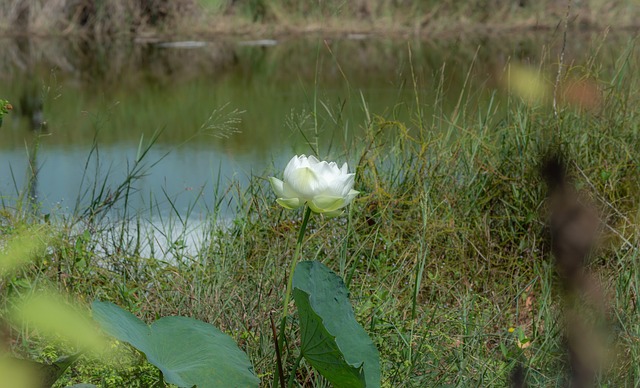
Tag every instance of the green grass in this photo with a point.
(443, 252)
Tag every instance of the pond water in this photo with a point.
(227, 109)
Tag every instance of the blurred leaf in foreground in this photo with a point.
(23, 246)
(18, 373)
(52, 317)
(15, 373)
(528, 84)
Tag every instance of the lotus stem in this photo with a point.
(292, 269)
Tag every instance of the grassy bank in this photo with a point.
(444, 251)
(266, 18)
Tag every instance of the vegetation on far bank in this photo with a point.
(445, 251)
(169, 19)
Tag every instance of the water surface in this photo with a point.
(229, 109)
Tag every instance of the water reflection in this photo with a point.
(30, 104)
(113, 94)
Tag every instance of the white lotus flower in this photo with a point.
(322, 185)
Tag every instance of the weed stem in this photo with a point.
(292, 376)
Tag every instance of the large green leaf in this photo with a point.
(187, 351)
(332, 340)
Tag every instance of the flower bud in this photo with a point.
(324, 186)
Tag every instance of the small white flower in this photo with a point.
(322, 185)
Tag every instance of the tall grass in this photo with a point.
(444, 251)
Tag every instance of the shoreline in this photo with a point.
(347, 29)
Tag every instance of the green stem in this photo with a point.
(292, 269)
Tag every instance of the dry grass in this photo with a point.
(93, 18)
(164, 18)
(444, 250)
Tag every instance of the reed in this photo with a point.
(444, 251)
